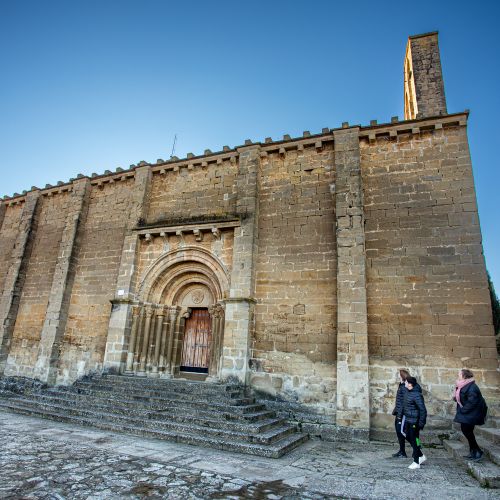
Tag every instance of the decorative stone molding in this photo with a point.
(198, 234)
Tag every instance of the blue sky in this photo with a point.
(93, 85)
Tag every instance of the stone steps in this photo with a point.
(485, 471)
(268, 436)
(488, 433)
(162, 386)
(153, 419)
(234, 399)
(214, 415)
(171, 410)
(491, 450)
(172, 384)
(275, 451)
(241, 405)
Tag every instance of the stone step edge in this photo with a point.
(240, 408)
(105, 391)
(490, 449)
(167, 388)
(238, 426)
(481, 471)
(276, 450)
(195, 402)
(489, 433)
(123, 404)
(266, 438)
(163, 382)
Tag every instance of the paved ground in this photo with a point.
(45, 459)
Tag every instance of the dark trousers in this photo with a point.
(412, 436)
(401, 438)
(468, 432)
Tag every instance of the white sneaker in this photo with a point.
(422, 459)
(414, 465)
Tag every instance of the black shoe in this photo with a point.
(399, 454)
(478, 455)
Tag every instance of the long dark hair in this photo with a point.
(404, 374)
(467, 373)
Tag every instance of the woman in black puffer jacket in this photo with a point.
(414, 418)
(471, 410)
(398, 409)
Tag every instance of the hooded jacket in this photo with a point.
(414, 407)
(473, 409)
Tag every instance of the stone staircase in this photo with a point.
(487, 471)
(222, 416)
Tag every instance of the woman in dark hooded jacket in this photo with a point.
(414, 418)
(398, 409)
(471, 410)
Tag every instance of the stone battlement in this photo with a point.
(375, 129)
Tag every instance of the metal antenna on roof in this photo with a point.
(173, 146)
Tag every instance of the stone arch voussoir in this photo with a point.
(166, 276)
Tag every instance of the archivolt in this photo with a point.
(170, 273)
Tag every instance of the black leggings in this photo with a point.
(412, 435)
(401, 438)
(468, 432)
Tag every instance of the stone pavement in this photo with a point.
(45, 459)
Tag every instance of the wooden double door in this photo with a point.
(197, 342)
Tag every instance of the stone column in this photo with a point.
(16, 274)
(164, 340)
(178, 338)
(353, 409)
(136, 311)
(56, 315)
(159, 327)
(212, 310)
(139, 339)
(217, 313)
(239, 318)
(173, 312)
(145, 343)
(120, 318)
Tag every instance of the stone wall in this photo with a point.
(193, 192)
(36, 289)
(8, 234)
(428, 302)
(98, 258)
(294, 347)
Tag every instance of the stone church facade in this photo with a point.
(308, 268)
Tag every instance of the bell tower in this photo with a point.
(423, 78)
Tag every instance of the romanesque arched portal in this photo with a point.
(178, 319)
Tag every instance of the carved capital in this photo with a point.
(173, 311)
(161, 310)
(149, 311)
(136, 310)
(216, 311)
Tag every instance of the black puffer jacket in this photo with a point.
(414, 407)
(399, 399)
(473, 411)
